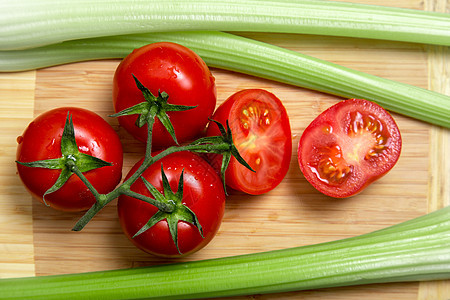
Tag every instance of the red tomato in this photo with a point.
(262, 134)
(41, 140)
(348, 146)
(170, 68)
(203, 193)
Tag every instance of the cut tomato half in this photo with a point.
(348, 146)
(262, 134)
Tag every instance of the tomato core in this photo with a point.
(254, 121)
(372, 133)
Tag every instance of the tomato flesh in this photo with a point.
(262, 134)
(348, 146)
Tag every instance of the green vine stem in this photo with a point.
(148, 110)
(124, 188)
(74, 162)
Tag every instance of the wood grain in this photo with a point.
(439, 183)
(16, 231)
(35, 240)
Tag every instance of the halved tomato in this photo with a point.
(348, 146)
(262, 134)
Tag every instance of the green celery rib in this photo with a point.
(415, 250)
(30, 23)
(231, 52)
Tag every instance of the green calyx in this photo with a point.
(223, 145)
(72, 159)
(153, 107)
(178, 211)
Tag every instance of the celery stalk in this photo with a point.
(231, 52)
(415, 250)
(30, 23)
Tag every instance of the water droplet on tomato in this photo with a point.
(19, 139)
(94, 146)
(328, 129)
(51, 145)
(83, 149)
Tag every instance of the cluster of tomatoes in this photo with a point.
(341, 152)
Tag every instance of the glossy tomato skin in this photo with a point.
(262, 134)
(42, 140)
(170, 68)
(348, 146)
(203, 194)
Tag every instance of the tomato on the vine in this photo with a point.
(348, 146)
(180, 75)
(202, 194)
(94, 137)
(262, 134)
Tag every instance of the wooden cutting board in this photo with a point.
(35, 240)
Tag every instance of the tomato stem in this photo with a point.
(164, 207)
(124, 188)
(76, 170)
(148, 111)
(98, 205)
(148, 148)
(203, 145)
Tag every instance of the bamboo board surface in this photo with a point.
(35, 240)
